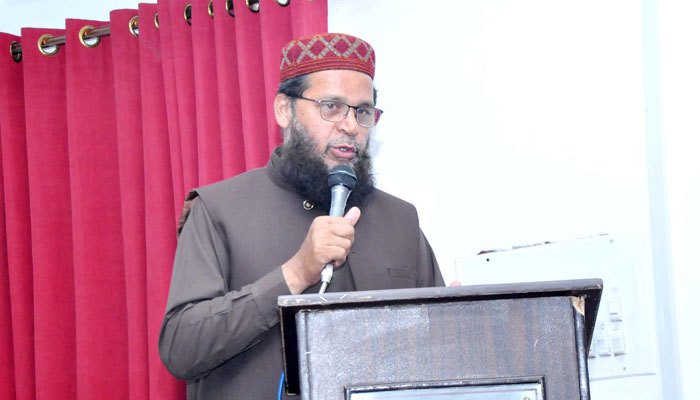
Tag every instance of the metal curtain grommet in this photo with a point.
(50, 50)
(188, 14)
(81, 36)
(283, 3)
(155, 21)
(17, 56)
(210, 8)
(229, 7)
(253, 5)
(134, 25)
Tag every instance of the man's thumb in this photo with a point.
(353, 215)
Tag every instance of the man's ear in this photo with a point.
(283, 110)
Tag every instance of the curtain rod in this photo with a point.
(48, 42)
(96, 33)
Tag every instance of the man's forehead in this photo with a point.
(343, 85)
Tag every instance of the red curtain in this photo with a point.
(99, 145)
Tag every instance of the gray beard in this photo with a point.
(307, 171)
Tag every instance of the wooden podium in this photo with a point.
(489, 342)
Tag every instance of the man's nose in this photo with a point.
(349, 124)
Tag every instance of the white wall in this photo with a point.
(508, 122)
(511, 122)
(680, 84)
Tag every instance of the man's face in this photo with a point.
(336, 142)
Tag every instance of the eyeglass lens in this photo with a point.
(336, 111)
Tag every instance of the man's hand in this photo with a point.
(328, 239)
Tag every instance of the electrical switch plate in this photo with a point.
(617, 340)
(602, 344)
(615, 308)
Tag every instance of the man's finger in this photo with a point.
(353, 215)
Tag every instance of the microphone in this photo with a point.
(342, 181)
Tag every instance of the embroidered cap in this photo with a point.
(326, 51)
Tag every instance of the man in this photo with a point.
(266, 233)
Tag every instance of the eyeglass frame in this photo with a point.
(320, 103)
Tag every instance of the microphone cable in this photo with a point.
(279, 390)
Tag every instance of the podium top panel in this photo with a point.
(590, 289)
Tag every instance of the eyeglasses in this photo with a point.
(336, 111)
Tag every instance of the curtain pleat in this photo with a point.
(228, 91)
(252, 87)
(98, 252)
(162, 15)
(207, 100)
(127, 90)
(306, 17)
(181, 34)
(52, 232)
(159, 210)
(275, 28)
(7, 362)
(7, 373)
(17, 224)
(99, 148)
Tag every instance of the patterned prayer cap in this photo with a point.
(326, 51)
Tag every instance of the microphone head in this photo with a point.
(342, 175)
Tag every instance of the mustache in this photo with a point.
(349, 141)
